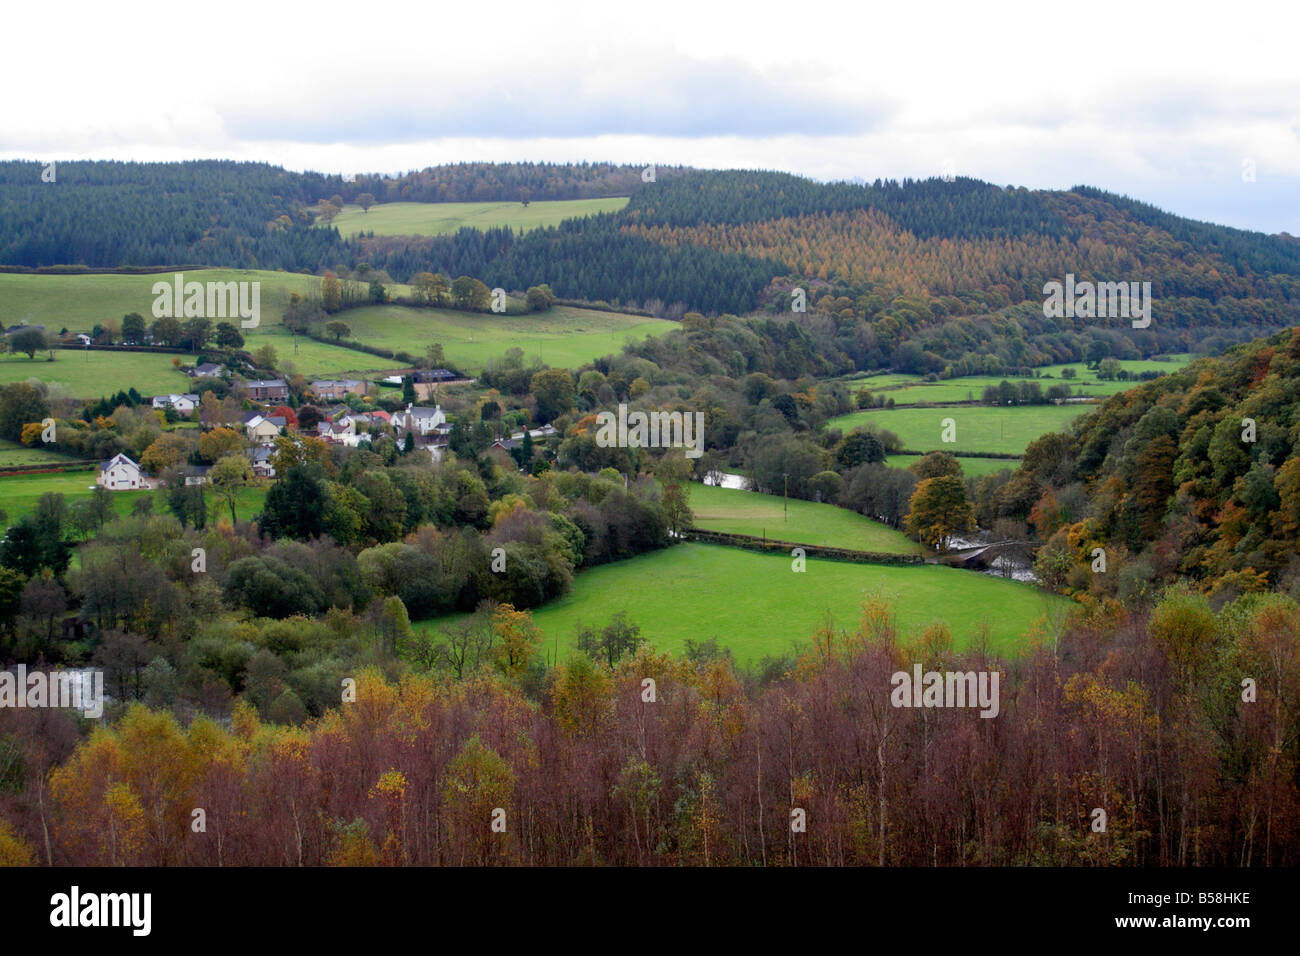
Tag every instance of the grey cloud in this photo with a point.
(673, 97)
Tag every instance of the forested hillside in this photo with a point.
(1195, 474)
(922, 276)
(112, 214)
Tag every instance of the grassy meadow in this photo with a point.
(90, 375)
(808, 522)
(1000, 429)
(19, 494)
(13, 453)
(562, 336)
(970, 467)
(79, 302)
(914, 390)
(757, 605)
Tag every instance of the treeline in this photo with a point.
(506, 182)
(1246, 250)
(1142, 719)
(961, 209)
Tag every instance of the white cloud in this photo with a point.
(1161, 105)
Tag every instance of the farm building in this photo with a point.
(424, 376)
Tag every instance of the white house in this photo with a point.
(120, 474)
(338, 431)
(261, 458)
(422, 421)
(184, 404)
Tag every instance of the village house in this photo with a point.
(500, 453)
(263, 429)
(338, 431)
(261, 459)
(197, 474)
(335, 389)
(120, 473)
(184, 404)
(206, 370)
(368, 426)
(420, 420)
(268, 390)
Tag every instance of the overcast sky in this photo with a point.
(1165, 103)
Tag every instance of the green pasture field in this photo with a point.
(758, 606)
(1001, 429)
(913, 389)
(92, 375)
(79, 302)
(808, 522)
(14, 453)
(297, 354)
(562, 336)
(20, 493)
(970, 467)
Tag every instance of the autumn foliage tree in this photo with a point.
(517, 640)
(939, 509)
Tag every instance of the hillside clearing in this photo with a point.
(443, 218)
(997, 429)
